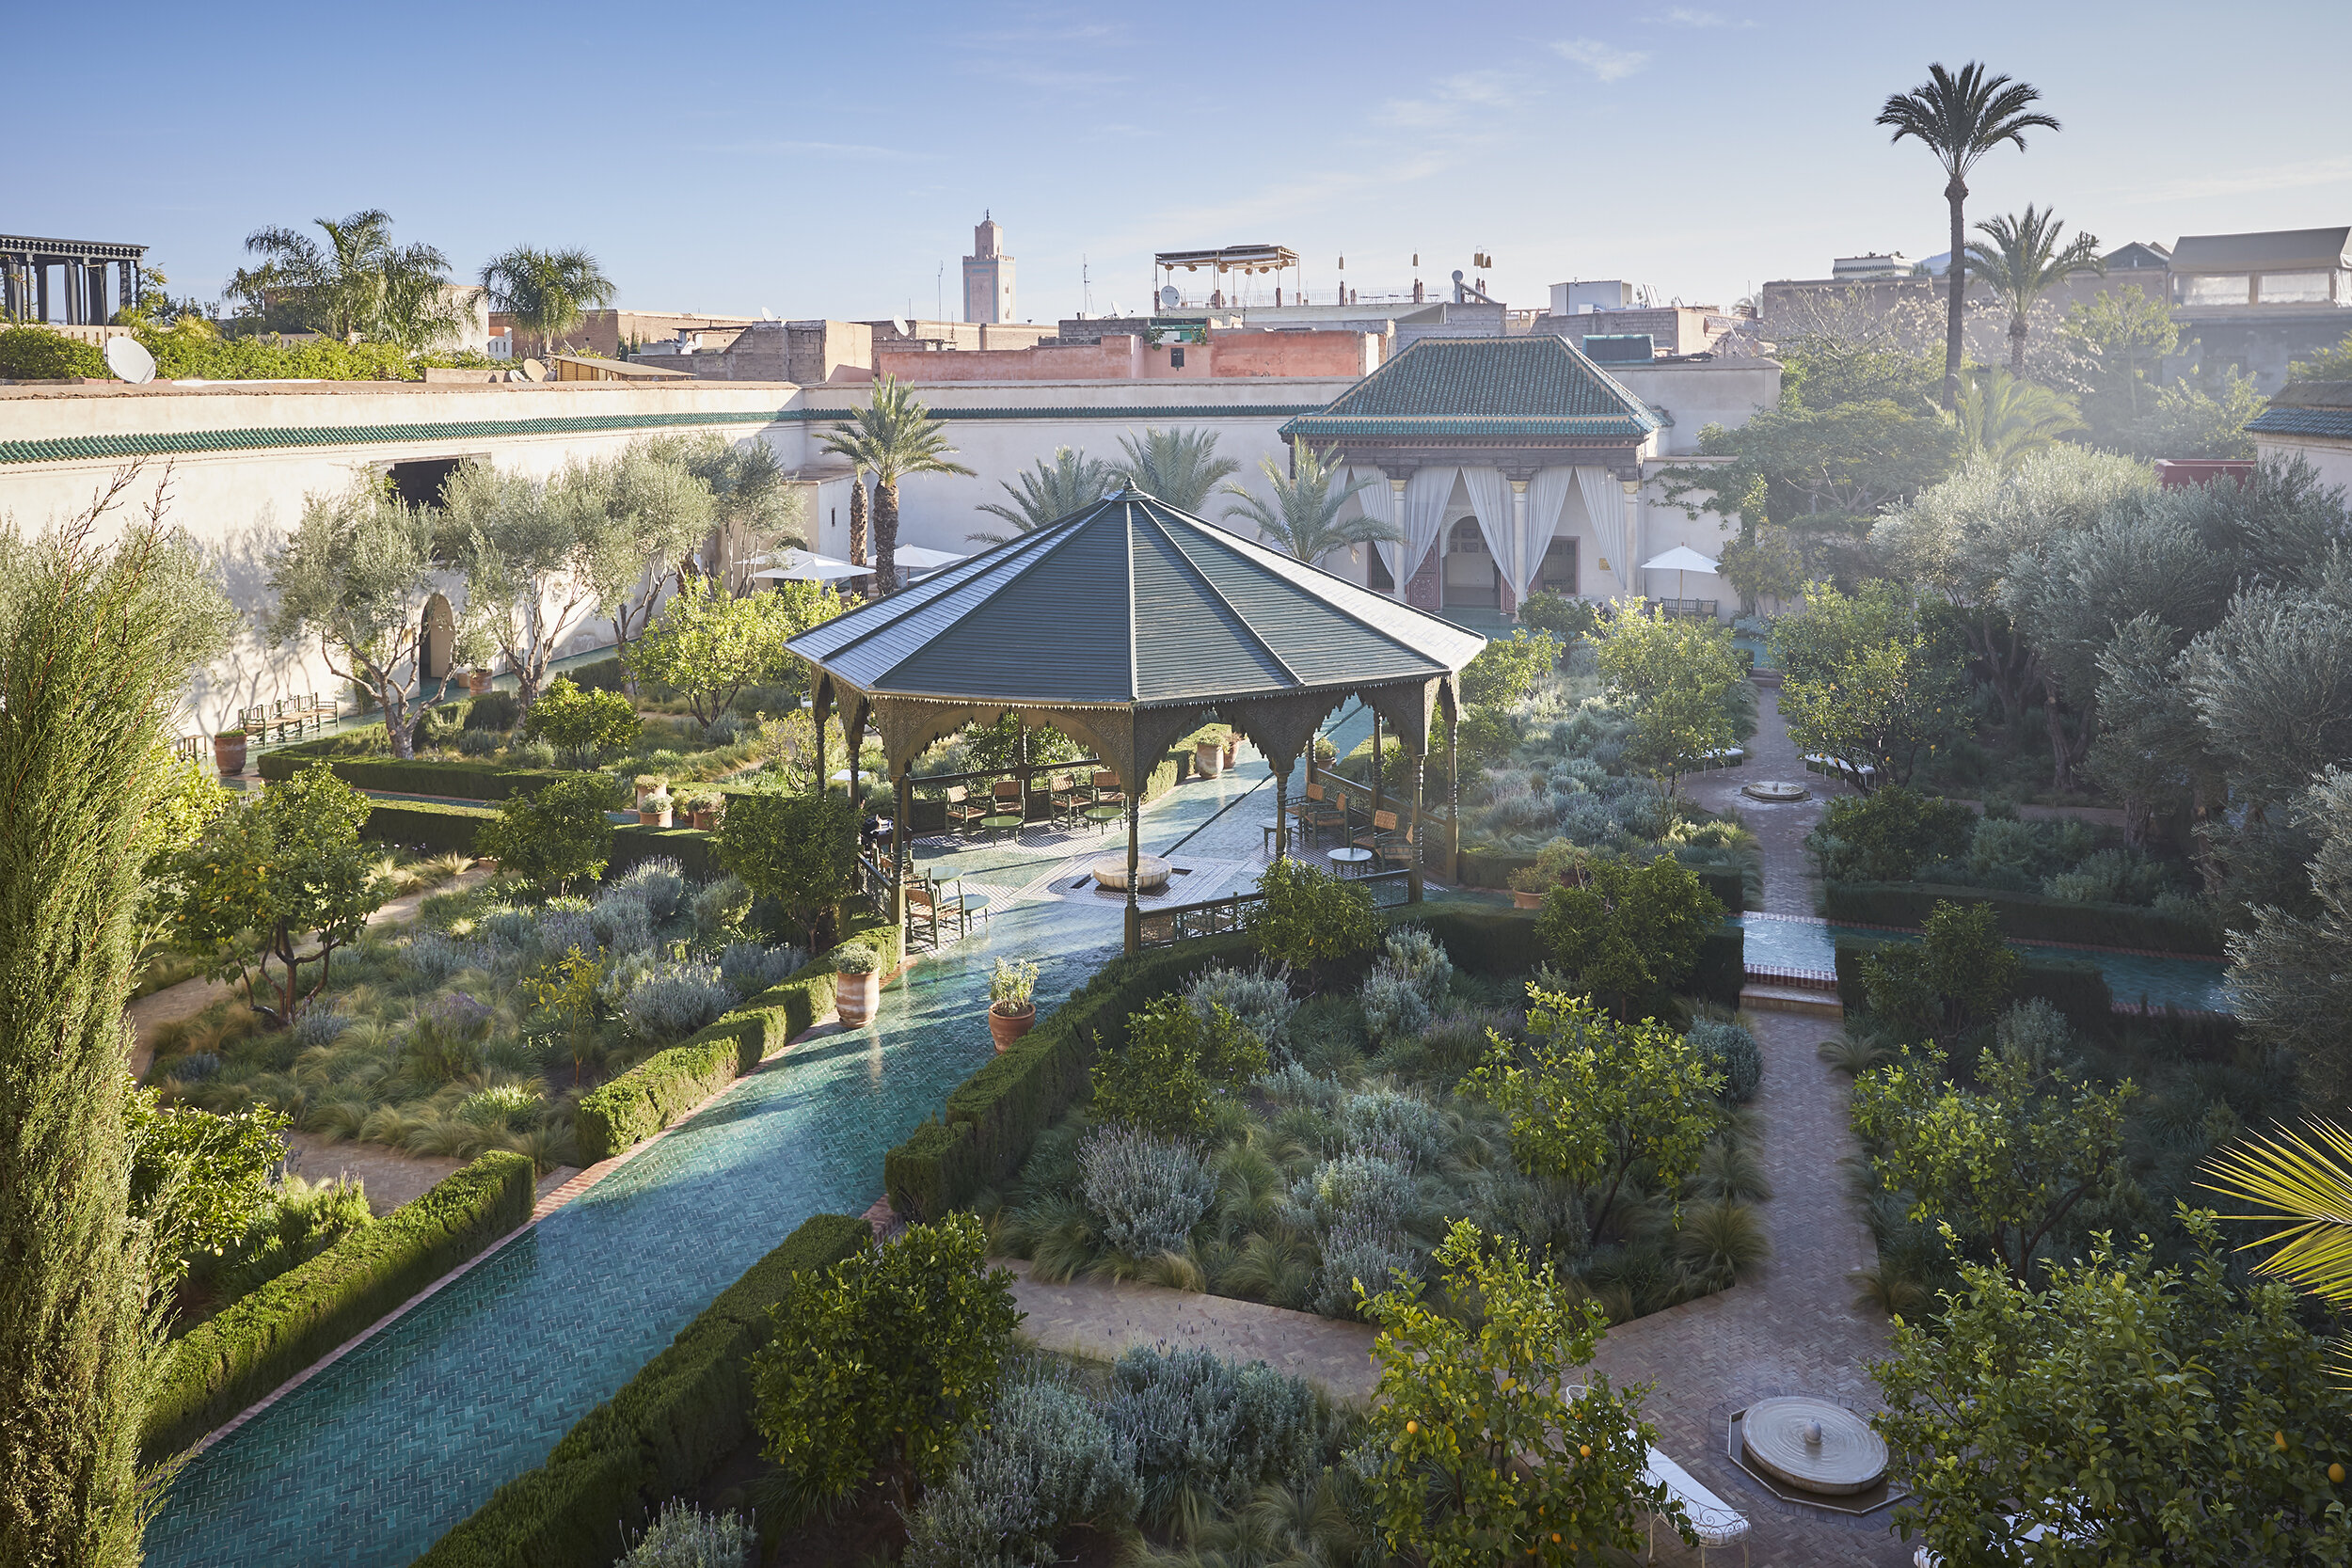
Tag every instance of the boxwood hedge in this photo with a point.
(2029, 916)
(259, 1340)
(2076, 988)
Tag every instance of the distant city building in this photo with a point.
(2311, 419)
(1857, 269)
(2260, 301)
(987, 275)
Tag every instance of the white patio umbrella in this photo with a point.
(915, 558)
(1682, 558)
(803, 566)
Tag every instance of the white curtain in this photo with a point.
(1545, 495)
(1425, 495)
(1490, 498)
(1379, 504)
(1604, 503)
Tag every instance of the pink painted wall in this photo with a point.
(1124, 357)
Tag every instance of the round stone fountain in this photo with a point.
(1776, 789)
(1813, 1446)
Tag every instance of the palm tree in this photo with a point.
(1960, 119)
(2006, 419)
(857, 516)
(2307, 1182)
(1179, 466)
(892, 437)
(547, 292)
(1048, 493)
(1303, 521)
(357, 283)
(2025, 262)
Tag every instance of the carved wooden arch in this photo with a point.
(1410, 706)
(1281, 727)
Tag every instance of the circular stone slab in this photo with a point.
(1814, 1444)
(1774, 789)
(1150, 871)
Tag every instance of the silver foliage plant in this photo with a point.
(683, 1536)
(1259, 996)
(1405, 987)
(1147, 1192)
(1048, 1457)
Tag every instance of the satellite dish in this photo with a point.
(1169, 297)
(766, 314)
(128, 359)
(900, 326)
(533, 370)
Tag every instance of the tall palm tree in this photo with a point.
(892, 437)
(547, 292)
(1303, 521)
(2006, 419)
(1960, 119)
(1048, 493)
(359, 282)
(2307, 1182)
(2025, 262)
(1179, 466)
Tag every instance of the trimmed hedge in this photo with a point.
(695, 850)
(672, 1424)
(226, 1363)
(2075, 987)
(993, 1117)
(2028, 916)
(457, 780)
(665, 1086)
(426, 825)
(1481, 869)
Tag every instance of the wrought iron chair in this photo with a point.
(963, 813)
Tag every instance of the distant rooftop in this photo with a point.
(2279, 250)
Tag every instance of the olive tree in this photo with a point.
(528, 550)
(2287, 971)
(355, 577)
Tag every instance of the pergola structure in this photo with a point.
(1127, 624)
(24, 263)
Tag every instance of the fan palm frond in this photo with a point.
(2304, 1180)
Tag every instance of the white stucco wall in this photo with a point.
(2330, 459)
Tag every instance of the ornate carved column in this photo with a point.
(1135, 853)
(1412, 882)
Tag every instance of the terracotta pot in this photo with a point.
(653, 819)
(477, 682)
(228, 755)
(705, 820)
(1526, 901)
(1006, 1027)
(1232, 749)
(1208, 758)
(856, 998)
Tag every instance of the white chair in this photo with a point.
(1714, 1521)
(1927, 1556)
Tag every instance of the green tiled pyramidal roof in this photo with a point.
(1131, 602)
(1441, 388)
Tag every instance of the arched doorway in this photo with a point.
(1471, 579)
(436, 639)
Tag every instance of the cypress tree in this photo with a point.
(94, 646)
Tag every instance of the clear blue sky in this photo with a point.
(822, 161)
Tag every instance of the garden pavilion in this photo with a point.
(1127, 624)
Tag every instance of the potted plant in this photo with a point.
(1557, 863)
(229, 752)
(650, 783)
(1232, 748)
(1208, 757)
(1011, 1013)
(857, 989)
(653, 811)
(701, 807)
(478, 681)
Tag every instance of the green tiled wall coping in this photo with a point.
(259, 1340)
(82, 448)
(685, 1413)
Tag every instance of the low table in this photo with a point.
(1345, 859)
(1152, 873)
(1103, 816)
(1001, 825)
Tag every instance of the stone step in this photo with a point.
(1791, 999)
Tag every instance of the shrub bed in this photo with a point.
(2075, 987)
(666, 1429)
(424, 825)
(262, 1339)
(2029, 916)
(657, 1091)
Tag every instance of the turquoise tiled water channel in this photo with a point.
(371, 1460)
(2190, 984)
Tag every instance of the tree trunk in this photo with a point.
(2017, 347)
(886, 538)
(1957, 271)
(857, 519)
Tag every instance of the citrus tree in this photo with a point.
(1866, 681)
(581, 724)
(883, 1361)
(799, 849)
(2136, 1414)
(1175, 1065)
(556, 836)
(1627, 932)
(1677, 670)
(708, 645)
(1309, 917)
(2002, 1164)
(1589, 1097)
(197, 1179)
(1490, 1444)
(284, 881)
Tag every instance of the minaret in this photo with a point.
(987, 275)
